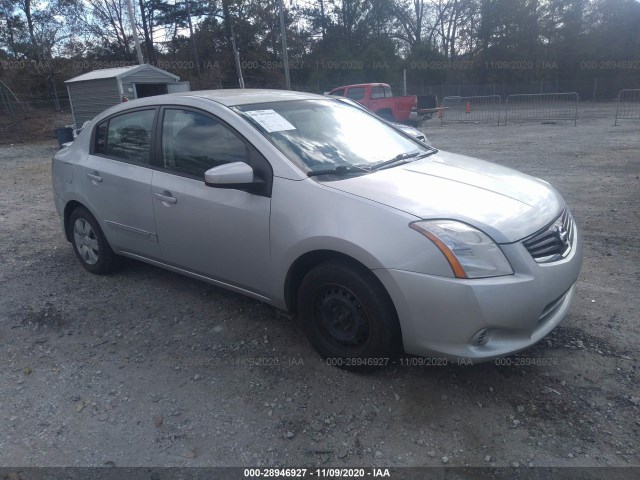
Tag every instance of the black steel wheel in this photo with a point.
(348, 316)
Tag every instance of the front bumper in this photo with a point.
(481, 319)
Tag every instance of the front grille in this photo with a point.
(553, 242)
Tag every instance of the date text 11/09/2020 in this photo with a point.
(316, 472)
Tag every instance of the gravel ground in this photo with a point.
(145, 367)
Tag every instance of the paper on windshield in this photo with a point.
(271, 120)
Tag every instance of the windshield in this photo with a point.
(323, 135)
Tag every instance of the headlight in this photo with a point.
(470, 252)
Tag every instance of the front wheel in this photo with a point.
(89, 243)
(348, 316)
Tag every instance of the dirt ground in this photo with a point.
(149, 368)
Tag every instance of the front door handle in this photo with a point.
(166, 197)
(95, 177)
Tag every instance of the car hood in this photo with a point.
(505, 204)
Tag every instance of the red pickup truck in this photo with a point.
(378, 98)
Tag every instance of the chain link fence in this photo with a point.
(10, 120)
(594, 89)
(25, 117)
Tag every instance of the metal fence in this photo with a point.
(628, 105)
(11, 112)
(592, 89)
(477, 109)
(478, 90)
(543, 107)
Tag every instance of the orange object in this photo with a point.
(458, 271)
(468, 110)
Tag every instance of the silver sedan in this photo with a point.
(380, 243)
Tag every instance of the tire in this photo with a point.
(348, 316)
(89, 243)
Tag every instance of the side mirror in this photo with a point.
(229, 175)
(237, 176)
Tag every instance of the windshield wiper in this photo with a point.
(365, 168)
(339, 170)
(399, 159)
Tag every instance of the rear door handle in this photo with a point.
(166, 197)
(95, 177)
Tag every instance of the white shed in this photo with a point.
(93, 92)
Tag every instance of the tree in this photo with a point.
(13, 41)
(148, 10)
(107, 21)
(412, 16)
(334, 41)
(37, 31)
(451, 16)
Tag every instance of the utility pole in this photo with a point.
(324, 26)
(285, 56)
(228, 27)
(236, 55)
(193, 40)
(132, 20)
(404, 82)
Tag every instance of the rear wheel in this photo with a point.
(89, 243)
(348, 316)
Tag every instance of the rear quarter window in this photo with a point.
(126, 137)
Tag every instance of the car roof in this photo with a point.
(225, 97)
(233, 97)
